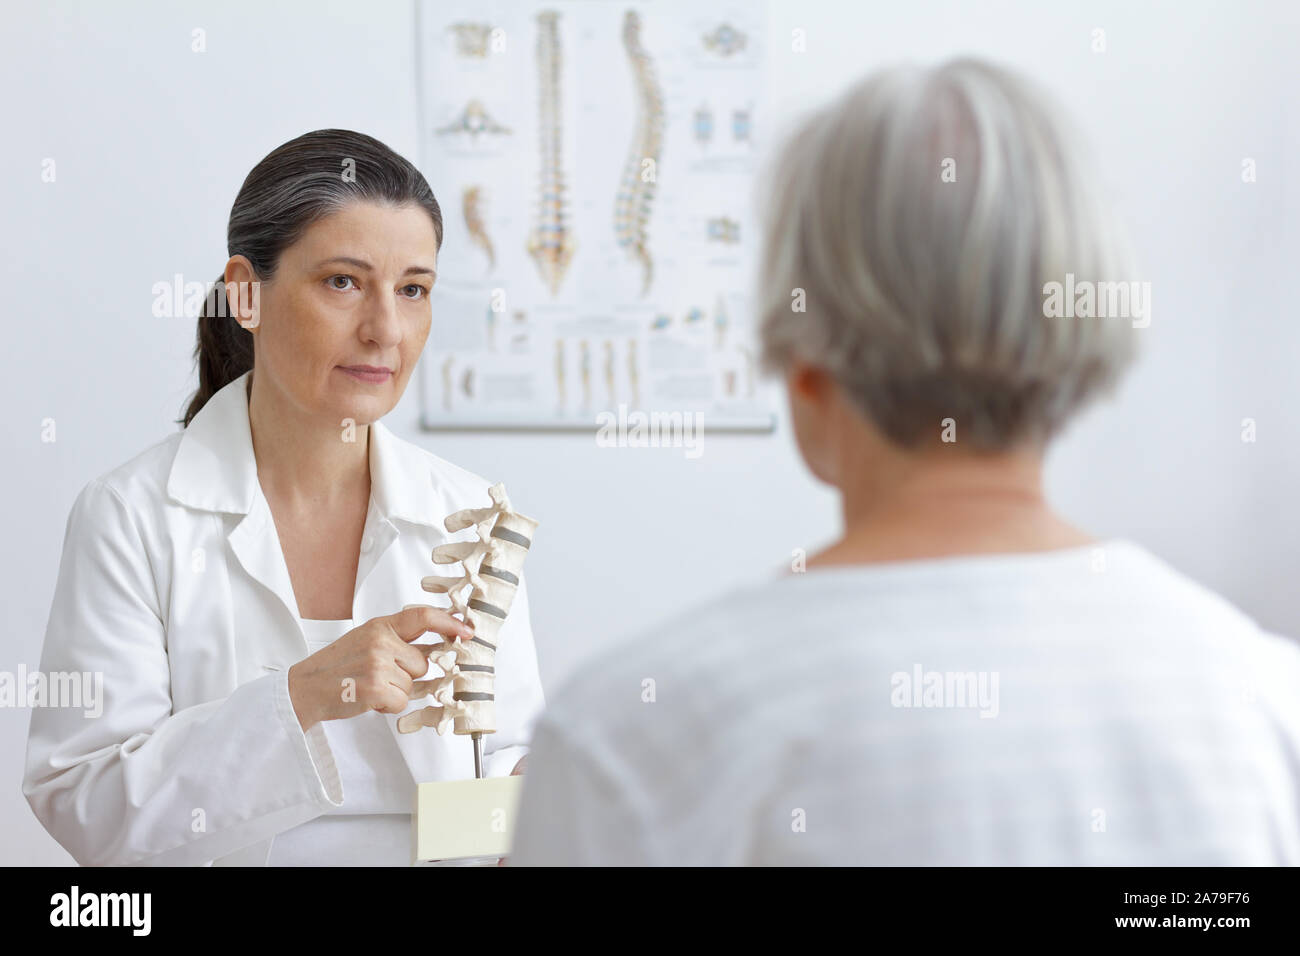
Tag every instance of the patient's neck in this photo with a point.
(942, 503)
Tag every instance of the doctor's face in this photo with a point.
(343, 321)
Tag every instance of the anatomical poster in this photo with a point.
(595, 167)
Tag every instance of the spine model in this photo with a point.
(637, 190)
(551, 244)
(491, 568)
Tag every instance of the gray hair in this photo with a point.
(925, 297)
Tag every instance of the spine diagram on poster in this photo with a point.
(471, 205)
(637, 190)
(600, 158)
(551, 244)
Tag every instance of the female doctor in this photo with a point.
(240, 585)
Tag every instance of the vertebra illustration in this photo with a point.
(473, 119)
(724, 229)
(724, 40)
(471, 205)
(472, 38)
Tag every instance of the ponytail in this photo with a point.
(224, 350)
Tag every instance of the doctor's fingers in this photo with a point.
(413, 659)
(416, 619)
(395, 696)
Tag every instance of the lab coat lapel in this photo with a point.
(215, 470)
(256, 544)
(387, 493)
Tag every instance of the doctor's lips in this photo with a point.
(371, 374)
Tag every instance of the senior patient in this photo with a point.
(964, 677)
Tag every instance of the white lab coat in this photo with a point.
(172, 584)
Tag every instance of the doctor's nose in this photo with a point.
(382, 322)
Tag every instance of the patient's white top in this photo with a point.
(1081, 706)
(373, 826)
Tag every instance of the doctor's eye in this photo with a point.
(339, 288)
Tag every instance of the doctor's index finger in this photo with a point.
(416, 619)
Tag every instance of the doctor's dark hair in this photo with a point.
(296, 184)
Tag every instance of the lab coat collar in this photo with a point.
(215, 469)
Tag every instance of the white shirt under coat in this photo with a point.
(173, 585)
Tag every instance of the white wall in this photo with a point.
(152, 141)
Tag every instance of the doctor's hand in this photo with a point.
(371, 667)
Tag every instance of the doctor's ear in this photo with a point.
(243, 292)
